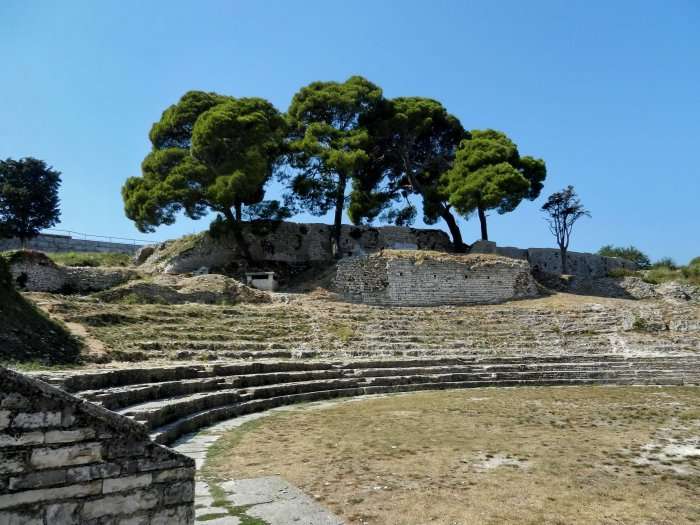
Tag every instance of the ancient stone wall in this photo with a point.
(35, 272)
(66, 461)
(290, 243)
(548, 260)
(66, 243)
(413, 279)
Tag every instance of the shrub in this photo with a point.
(665, 262)
(694, 262)
(622, 272)
(630, 253)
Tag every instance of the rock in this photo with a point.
(142, 254)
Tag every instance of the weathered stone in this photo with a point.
(15, 401)
(26, 438)
(69, 436)
(32, 517)
(182, 515)
(116, 504)
(181, 492)
(173, 475)
(62, 514)
(139, 519)
(65, 456)
(12, 461)
(4, 419)
(90, 472)
(36, 420)
(126, 483)
(34, 496)
(35, 480)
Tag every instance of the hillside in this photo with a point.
(27, 334)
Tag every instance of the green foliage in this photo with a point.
(412, 143)
(328, 141)
(563, 209)
(665, 262)
(93, 259)
(210, 152)
(694, 262)
(630, 253)
(488, 173)
(28, 197)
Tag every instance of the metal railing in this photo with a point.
(105, 238)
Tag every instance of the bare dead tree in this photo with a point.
(563, 209)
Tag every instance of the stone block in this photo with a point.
(182, 492)
(117, 504)
(22, 518)
(36, 419)
(140, 519)
(35, 480)
(65, 456)
(15, 401)
(12, 461)
(126, 483)
(90, 472)
(35, 496)
(62, 514)
(18, 440)
(182, 515)
(69, 436)
(4, 419)
(173, 475)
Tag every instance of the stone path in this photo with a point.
(269, 500)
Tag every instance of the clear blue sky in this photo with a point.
(608, 93)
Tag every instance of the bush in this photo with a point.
(694, 262)
(630, 253)
(666, 262)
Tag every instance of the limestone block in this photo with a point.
(35, 480)
(173, 475)
(116, 504)
(27, 438)
(126, 483)
(21, 518)
(69, 436)
(36, 420)
(90, 472)
(4, 419)
(64, 456)
(175, 493)
(34, 496)
(62, 514)
(182, 515)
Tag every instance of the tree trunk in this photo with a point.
(482, 221)
(457, 242)
(235, 224)
(239, 211)
(338, 219)
(564, 265)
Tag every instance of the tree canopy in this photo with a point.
(327, 143)
(28, 197)
(413, 142)
(489, 173)
(210, 152)
(630, 253)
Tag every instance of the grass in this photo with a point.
(29, 336)
(525, 456)
(90, 259)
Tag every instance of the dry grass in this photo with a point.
(493, 456)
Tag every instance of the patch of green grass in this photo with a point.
(342, 331)
(90, 259)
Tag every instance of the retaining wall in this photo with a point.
(414, 279)
(66, 461)
(65, 243)
(37, 273)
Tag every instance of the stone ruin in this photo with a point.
(66, 461)
(412, 278)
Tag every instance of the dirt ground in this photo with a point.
(609, 455)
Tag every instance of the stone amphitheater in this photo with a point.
(181, 371)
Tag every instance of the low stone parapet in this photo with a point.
(66, 461)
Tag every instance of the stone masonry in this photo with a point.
(405, 278)
(37, 273)
(66, 461)
(65, 243)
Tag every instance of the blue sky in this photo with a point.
(608, 93)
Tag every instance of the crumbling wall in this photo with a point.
(288, 242)
(35, 272)
(413, 279)
(65, 243)
(66, 461)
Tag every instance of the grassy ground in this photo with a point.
(495, 456)
(90, 259)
